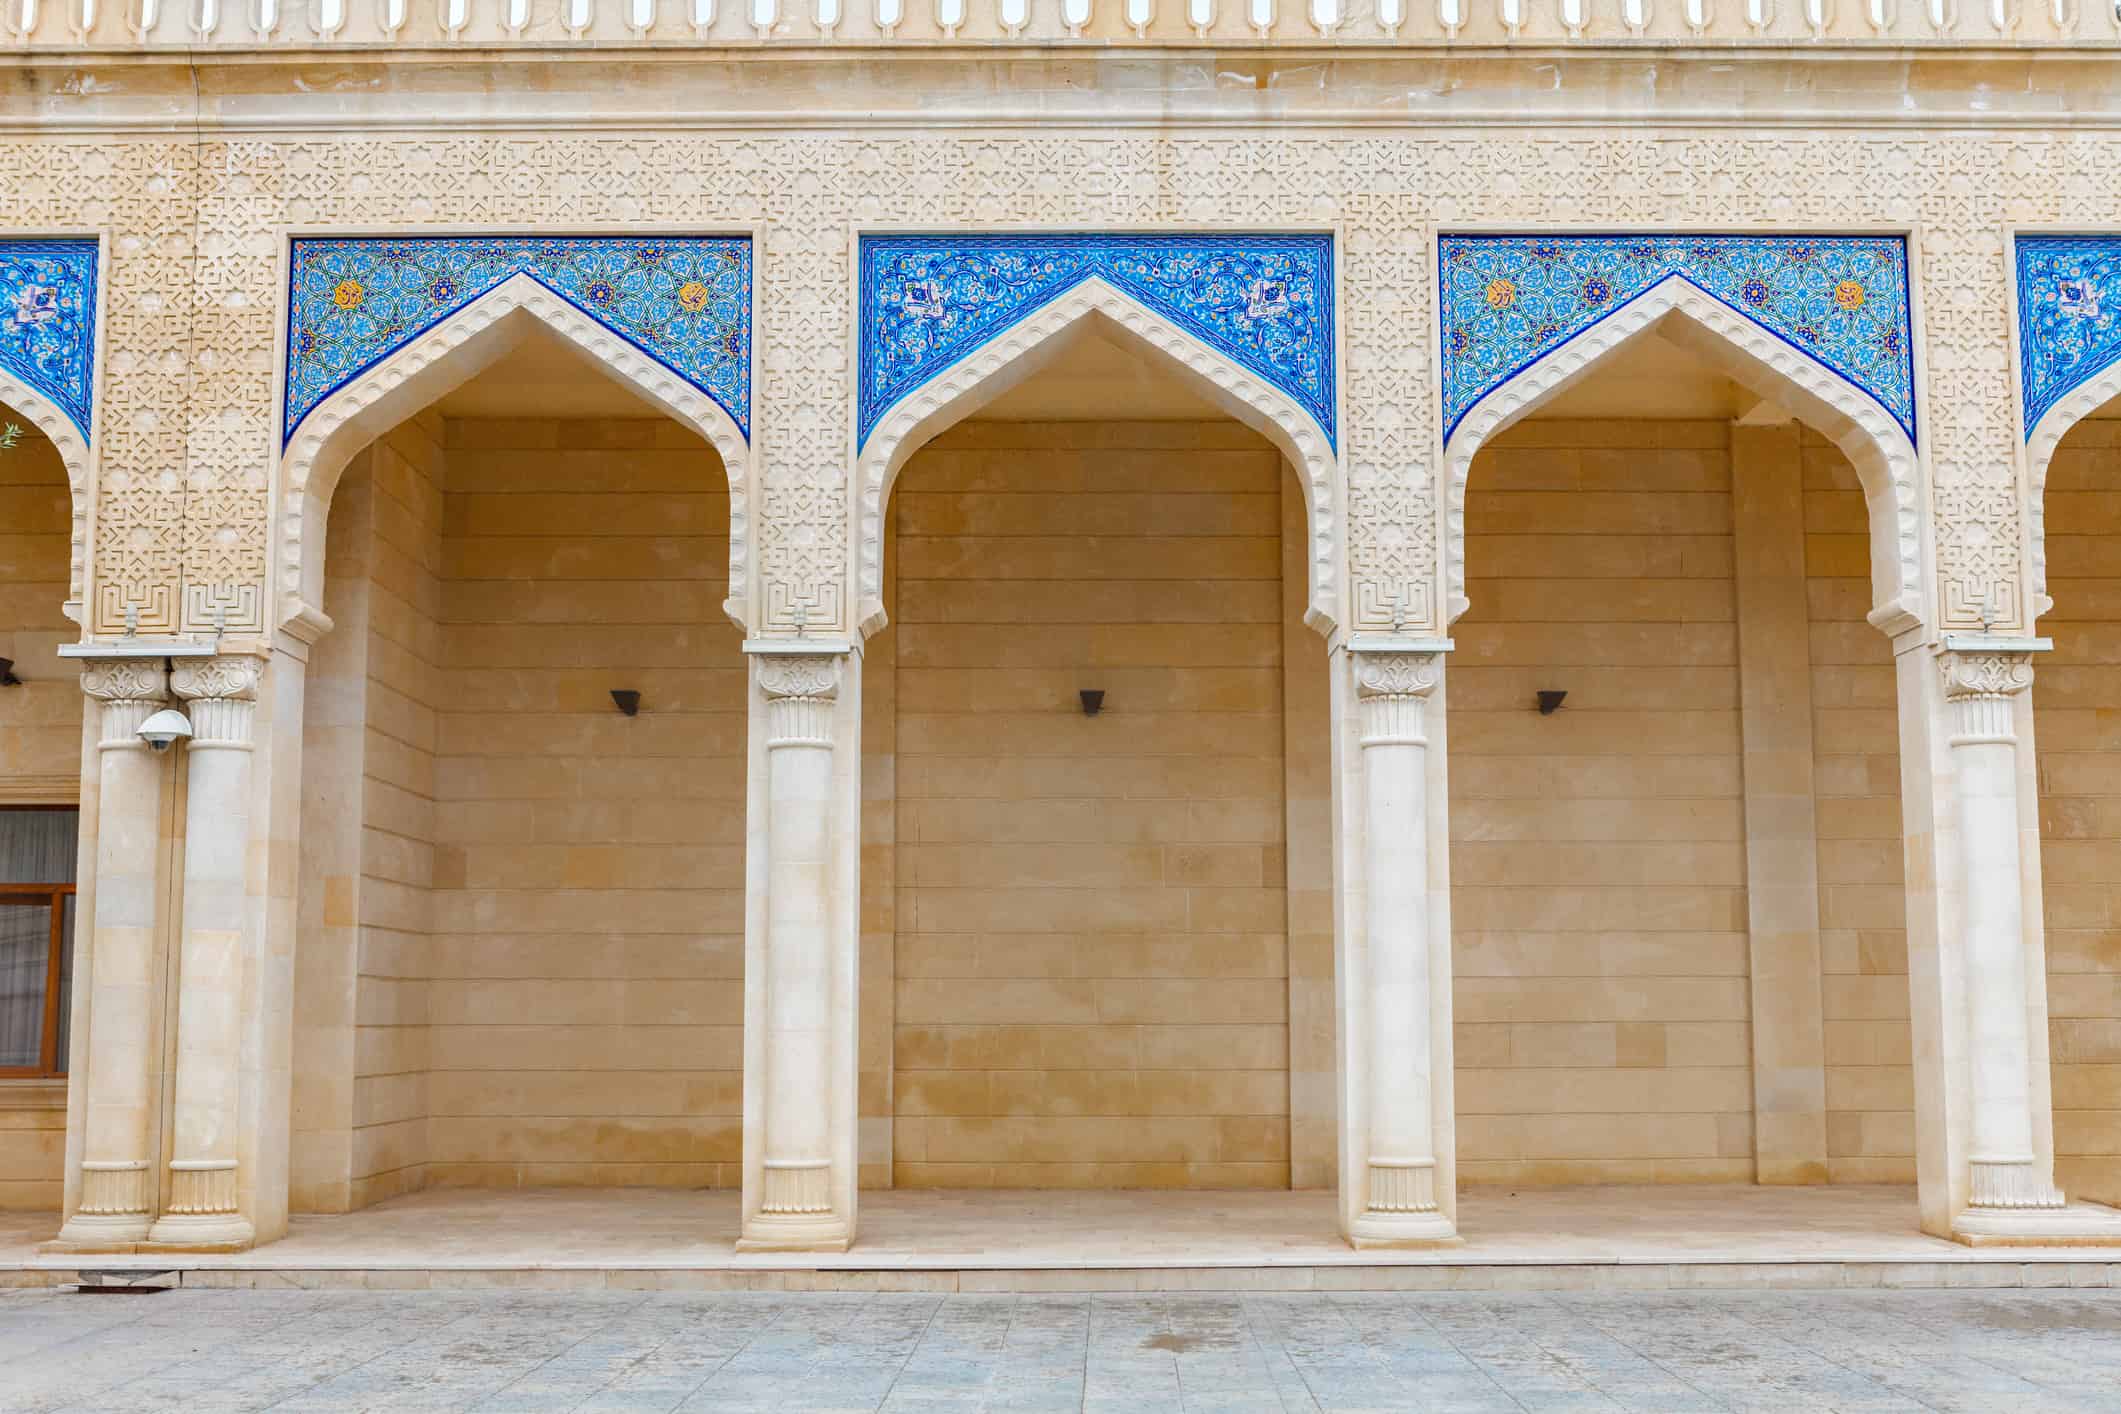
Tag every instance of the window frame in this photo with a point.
(50, 1064)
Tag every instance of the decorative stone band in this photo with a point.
(800, 690)
(114, 1188)
(2015, 1182)
(1980, 687)
(131, 690)
(202, 1186)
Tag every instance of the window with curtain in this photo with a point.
(36, 936)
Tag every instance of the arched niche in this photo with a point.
(1019, 351)
(1681, 312)
(431, 365)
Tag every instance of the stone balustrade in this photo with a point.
(290, 26)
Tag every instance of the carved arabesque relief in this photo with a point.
(189, 420)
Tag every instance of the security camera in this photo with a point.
(166, 726)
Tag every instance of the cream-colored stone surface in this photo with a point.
(40, 721)
(540, 952)
(1781, 819)
(368, 841)
(2077, 709)
(1856, 792)
(585, 963)
(1598, 854)
(1091, 931)
(40, 752)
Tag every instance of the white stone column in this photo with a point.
(2006, 1175)
(213, 953)
(798, 972)
(1399, 1174)
(117, 1184)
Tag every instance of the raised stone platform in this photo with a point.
(1574, 1238)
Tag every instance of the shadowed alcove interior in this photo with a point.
(522, 910)
(1692, 568)
(2077, 719)
(1088, 958)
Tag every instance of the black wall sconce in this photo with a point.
(627, 700)
(7, 673)
(1093, 700)
(1549, 700)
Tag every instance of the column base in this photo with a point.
(2075, 1225)
(202, 1232)
(1382, 1231)
(102, 1232)
(810, 1232)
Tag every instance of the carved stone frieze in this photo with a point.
(195, 297)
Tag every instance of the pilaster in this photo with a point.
(214, 954)
(117, 1182)
(801, 948)
(1403, 974)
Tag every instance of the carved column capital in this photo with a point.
(1985, 674)
(1980, 688)
(225, 676)
(808, 675)
(223, 694)
(112, 680)
(800, 689)
(1396, 673)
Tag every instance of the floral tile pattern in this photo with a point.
(1265, 302)
(685, 301)
(2069, 292)
(48, 321)
(1507, 300)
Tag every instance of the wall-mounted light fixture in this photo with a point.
(1093, 700)
(627, 700)
(7, 673)
(165, 729)
(1549, 700)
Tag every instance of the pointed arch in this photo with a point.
(432, 364)
(2041, 445)
(1881, 452)
(1021, 350)
(75, 454)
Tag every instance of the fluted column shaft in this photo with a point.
(118, 1187)
(797, 1182)
(1399, 1195)
(221, 696)
(1981, 692)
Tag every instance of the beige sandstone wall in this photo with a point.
(1598, 854)
(1856, 782)
(1090, 924)
(361, 992)
(2077, 706)
(585, 992)
(40, 750)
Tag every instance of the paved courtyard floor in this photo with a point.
(350, 1350)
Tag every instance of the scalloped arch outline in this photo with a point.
(2041, 444)
(76, 455)
(1018, 351)
(439, 359)
(1884, 456)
